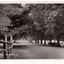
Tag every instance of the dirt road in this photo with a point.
(32, 51)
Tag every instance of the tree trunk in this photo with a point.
(35, 40)
(38, 41)
(58, 43)
(41, 41)
(44, 41)
(30, 40)
(50, 39)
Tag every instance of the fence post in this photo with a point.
(5, 38)
(4, 47)
(6, 42)
(11, 38)
(11, 44)
(8, 45)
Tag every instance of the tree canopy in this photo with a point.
(36, 20)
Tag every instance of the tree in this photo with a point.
(46, 18)
(12, 17)
(37, 15)
(59, 27)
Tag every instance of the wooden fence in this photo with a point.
(7, 48)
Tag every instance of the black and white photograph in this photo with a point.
(32, 31)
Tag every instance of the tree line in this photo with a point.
(39, 21)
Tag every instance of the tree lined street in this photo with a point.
(28, 26)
